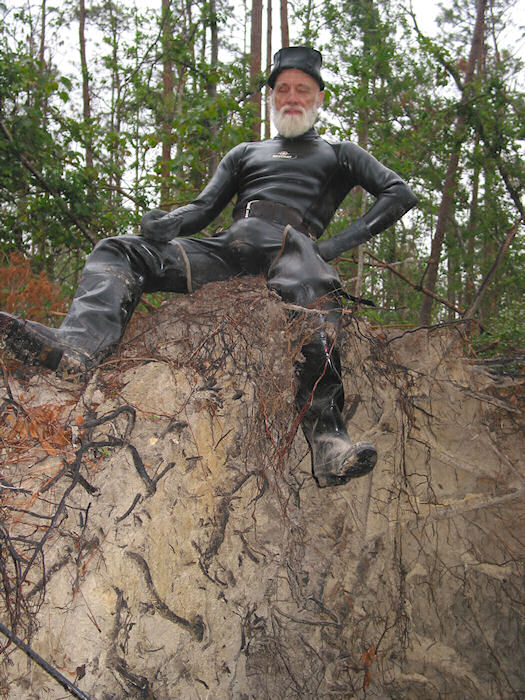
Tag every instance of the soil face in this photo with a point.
(163, 537)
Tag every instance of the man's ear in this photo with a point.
(320, 98)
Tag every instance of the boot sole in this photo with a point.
(23, 342)
(358, 464)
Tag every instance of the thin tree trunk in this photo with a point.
(362, 140)
(285, 32)
(255, 64)
(41, 244)
(267, 106)
(447, 198)
(452, 278)
(85, 80)
(116, 153)
(358, 287)
(470, 243)
(168, 85)
(138, 151)
(212, 85)
(41, 53)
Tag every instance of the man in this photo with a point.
(287, 190)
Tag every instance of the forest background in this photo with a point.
(108, 109)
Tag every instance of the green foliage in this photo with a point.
(398, 93)
(51, 200)
(503, 333)
(390, 88)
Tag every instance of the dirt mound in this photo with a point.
(162, 536)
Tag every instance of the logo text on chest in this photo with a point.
(284, 154)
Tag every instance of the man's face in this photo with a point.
(295, 100)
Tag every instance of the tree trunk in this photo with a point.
(85, 81)
(255, 65)
(447, 198)
(285, 33)
(452, 277)
(212, 85)
(363, 133)
(41, 241)
(168, 83)
(471, 241)
(41, 53)
(116, 154)
(267, 104)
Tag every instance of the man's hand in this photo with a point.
(160, 226)
(355, 234)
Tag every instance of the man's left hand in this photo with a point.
(355, 234)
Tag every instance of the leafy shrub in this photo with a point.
(26, 294)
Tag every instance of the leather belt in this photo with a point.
(275, 212)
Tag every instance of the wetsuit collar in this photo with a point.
(307, 136)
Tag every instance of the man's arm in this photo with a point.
(160, 226)
(393, 199)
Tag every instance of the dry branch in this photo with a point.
(417, 286)
(46, 186)
(490, 274)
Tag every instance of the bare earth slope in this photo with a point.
(162, 536)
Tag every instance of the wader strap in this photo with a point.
(283, 245)
(186, 264)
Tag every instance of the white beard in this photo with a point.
(292, 125)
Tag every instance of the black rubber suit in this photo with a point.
(287, 192)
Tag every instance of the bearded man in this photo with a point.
(287, 189)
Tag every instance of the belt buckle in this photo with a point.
(247, 210)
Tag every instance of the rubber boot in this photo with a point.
(35, 344)
(96, 320)
(335, 459)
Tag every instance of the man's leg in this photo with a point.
(114, 277)
(301, 277)
(320, 400)
(108, 292)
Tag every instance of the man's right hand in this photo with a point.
(160, 226)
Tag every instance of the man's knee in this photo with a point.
(123, 252)
(116, 245)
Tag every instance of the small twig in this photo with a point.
(141, 469)
(488, 277)
(76, 692)
(130, 509)
(417, 286)
(315, 623)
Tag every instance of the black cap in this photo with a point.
(301, 57)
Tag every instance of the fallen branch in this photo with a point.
(64, 682)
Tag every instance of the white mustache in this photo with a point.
(292, 108)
